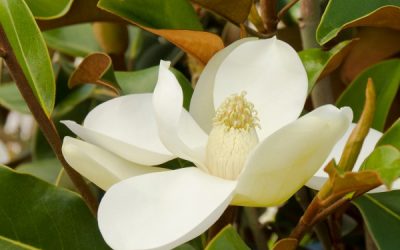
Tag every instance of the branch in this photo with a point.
(45, 123)
(269, 16)
(283, 11)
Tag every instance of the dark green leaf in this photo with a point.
(49, 9)
(227, 239)
(391, 136)
(144, 81)
(30, 50)
(39, 214)
(340, 14)
(386, 78)
(157, 14)
(75, 40)
(319, 63)
(11, 98)
(381, 213)
(9, 244)
(386, 161)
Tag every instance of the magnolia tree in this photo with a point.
(237, 124)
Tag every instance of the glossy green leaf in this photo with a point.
(340, 14)
(227, 238)
(381, 213)
(386, 78)
(30, 50)
(39, 214)
(49, 9)
(11, 98)
(386, 161)
(74, 40)
(391, 136)
(157, 14)
(144, 81)
(318, 63)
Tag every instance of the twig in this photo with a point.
(283, 11)
(269, 15)
(45, 123)
(321, 229)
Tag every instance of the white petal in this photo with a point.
(272, 74)
(284, 161)
(320, 177)
(125, 126)
(100, 166)
(177, 130)
(202, 102)
(162, 210)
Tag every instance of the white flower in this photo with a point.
(241, 133)
(320, 177)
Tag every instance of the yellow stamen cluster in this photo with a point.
(236, 112)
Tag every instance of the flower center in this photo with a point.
(232, 137)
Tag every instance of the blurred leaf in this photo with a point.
(391, 136)
(383, 13)
(386, 78)
(227, 238)
(144, 81)
(320, 63)
(373, 46)
(174, 20)
(113, 38)
(52, 9)
(75, 97)
(39, 214)
(156, 14)
(236, 11)
(96, 68)
(74, 40)
(386, 161)
(381, 213)
(11, 98)
(151, 55)
(30, 50)
(47, 170)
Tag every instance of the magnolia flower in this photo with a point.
(320, 177)
(241, 133)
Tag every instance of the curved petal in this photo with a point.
(202, 102)
(284, 161)
(177, 130)
(120, 148)
(100, 166)
(320, 177)
(162, 210)
(272, 74)
(125, 126)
